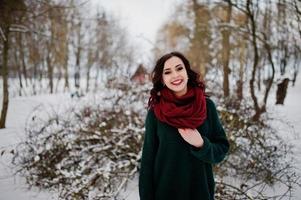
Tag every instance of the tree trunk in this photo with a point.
(58, 80)
(296, 70)
(50, 73)
(96, 78)
(22, 58)
(77, 57)
(41, 74)
(270, 79)
(281, 91)
(255, 62)
(259, 79)
(91, 59)
(240, 82)
(226, 52)
(18, 72)
(5, 99)
(77, 71)
(200, 42)
(66, 74)
(88, 79)
(35, 76)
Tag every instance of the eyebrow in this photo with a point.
(178, 65)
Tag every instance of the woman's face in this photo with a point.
(175, 76)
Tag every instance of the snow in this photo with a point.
(288, 120)
(14, 187)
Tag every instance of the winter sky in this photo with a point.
(143, 18)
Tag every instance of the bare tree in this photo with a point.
(9, 10)
(199, 53)
(5, 37)
(78, 47)
(226, 48)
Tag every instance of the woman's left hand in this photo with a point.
(192, 136)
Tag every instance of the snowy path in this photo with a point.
(290, 128)
(14, 187)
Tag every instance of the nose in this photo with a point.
(175, 74)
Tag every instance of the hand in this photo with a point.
(192, 136)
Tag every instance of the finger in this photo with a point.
(181, 130)
(182, 133)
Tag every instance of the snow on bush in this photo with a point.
(86, 151)
(258, 160)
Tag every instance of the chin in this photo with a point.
(178, 90)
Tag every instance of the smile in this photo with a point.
(177, 82)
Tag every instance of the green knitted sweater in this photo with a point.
(172, 169)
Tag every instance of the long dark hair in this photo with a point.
(193, 77)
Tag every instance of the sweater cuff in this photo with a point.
(199, 152)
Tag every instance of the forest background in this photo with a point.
(89, 147)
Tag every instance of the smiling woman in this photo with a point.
(183, 135)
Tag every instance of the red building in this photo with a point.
(141, 75)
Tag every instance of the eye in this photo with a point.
(167, 72)
(179, 68)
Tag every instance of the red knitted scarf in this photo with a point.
(187, 111)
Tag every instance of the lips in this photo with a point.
(177, 82)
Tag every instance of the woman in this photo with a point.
(183, 135)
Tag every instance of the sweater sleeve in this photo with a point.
(216, 145)
(150, 145)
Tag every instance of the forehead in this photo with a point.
(172, 62)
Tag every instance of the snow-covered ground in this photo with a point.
(13, 187)
(287, 122)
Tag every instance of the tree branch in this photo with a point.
(2, 34)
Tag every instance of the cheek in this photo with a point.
(184, 74)
(164, 78)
